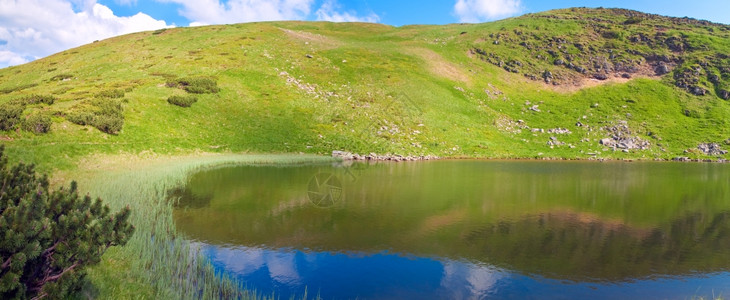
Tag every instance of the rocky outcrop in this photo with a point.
(711, 149)
(344, 155)
(621, 137)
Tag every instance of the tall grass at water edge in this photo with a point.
(160, 258)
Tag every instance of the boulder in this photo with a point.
(696, 90)
(600, 76)
(724, 94)
(661, 69)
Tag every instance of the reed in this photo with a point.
(161, 257)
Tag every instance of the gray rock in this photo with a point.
(661, 69)
(724, 94)
(600, 76)
(711, 149)
(698, 91)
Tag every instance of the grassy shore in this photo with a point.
(157, 263)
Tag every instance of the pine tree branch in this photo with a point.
(6, 264)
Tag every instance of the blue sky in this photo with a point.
(31, 29)
(400, 13)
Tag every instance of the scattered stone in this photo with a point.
(344, 155)
(309, 56)
(554, 142)
(711, 149)
(559, 131)
(535, 108)
(621, 138)
(681, 158)
(626, 76)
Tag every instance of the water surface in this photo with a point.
(466, 229)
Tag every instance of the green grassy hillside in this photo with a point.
(552, 84)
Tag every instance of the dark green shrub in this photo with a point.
(633, 20)
(105, 114)
(10, 115)
(80, 117)
(611, 34)
(50, 236)
(111, 94)
(37, 123)
(108, 123)
(196, 85)
(159, 31)
(61, 77)
(9, 90)
(182, 101)
(37, 99)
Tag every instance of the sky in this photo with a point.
(32, 29)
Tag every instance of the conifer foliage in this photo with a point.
(48, 237)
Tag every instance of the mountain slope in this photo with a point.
(576, 83)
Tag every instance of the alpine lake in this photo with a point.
(465, 229)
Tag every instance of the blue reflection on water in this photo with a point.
(288, 272)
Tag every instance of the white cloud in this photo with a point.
(38, 28)
(328, 12)
(203, 12)
(8, 58)
(473, 11)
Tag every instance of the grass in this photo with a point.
(289, 87)
(314, 87)
(158, 263)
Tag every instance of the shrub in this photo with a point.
(9, 90)
(50, 236)
(111, 94)
(10, 115)
(611, 34)
(80, 117)
(37, 99)
(105, 114)
(37, 123)
(196, 85)
(633, 20)
(61, 77)
(108, 123)
(182, 101)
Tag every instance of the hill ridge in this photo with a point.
(524, 87)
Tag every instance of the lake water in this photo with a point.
(466, 229)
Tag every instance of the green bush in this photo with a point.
(633, 20)
(80, 117)
(10, 115)
(105, 114)
(61, 77)
(50, 236)
(37, 99)
(182, 101)
(37, 123)
(9, 90)
(196, 85)
(111, 94)
(109, 124)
